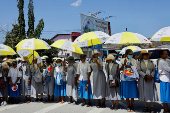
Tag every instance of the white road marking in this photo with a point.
(50, 108)
(96, 110)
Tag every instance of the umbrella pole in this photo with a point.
(33, 54)
(92, 45)
(107, 50)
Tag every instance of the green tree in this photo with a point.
(50, 52)
(31, 20)
(39, 28)
(11, 37)
(21, 20)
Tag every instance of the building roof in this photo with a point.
(58, 35)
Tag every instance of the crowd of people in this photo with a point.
(125, 77)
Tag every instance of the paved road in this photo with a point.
(42, 107)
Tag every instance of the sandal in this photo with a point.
(41, 100)
(83, 104)
(37, 99)
(98, 105)
(89, 105)
(26, 100)
(52, 100)
(132, 109)
(48, 100)
(145, 109)
(128, 109)
(103, 105)
(151, 110)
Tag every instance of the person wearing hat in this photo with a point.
(113, 73)
(164, 71)
(49, 85)
(99, 88)
(26, 79)
(71, 71)
(60, 88)
(4, 90)
(14, 79)
(146, 84)
(128, 86)
(9, 62)
(84, 71)
(37, 87)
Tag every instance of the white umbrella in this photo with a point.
(127, 38)
(162, 35)
(133, 48)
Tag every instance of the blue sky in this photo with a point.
(141, 16)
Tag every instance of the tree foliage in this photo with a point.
(11, 37)
(39, 28)
(21, 20)
(31, 20)
(50, 52)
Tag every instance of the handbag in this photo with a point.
(58, 80)
(113, 83)
(157, 75)
(47, 79)
(38, 77)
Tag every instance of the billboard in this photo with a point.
(89, 23)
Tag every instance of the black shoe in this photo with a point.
(83, 104)
(116, 108)
(98, 105)
(89, 105)
(37, 99)
(111, 107)
(75, 103)
(41, 100)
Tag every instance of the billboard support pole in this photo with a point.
(107, 50)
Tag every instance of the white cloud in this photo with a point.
(77, 3)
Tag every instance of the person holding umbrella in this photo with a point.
(128, 86)
(146, 84)
(84, 72)
(99, 79)
(71, 73)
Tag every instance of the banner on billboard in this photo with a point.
(89, 23)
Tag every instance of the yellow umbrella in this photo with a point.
(33, 44)
(6, 50)
(66, 45)
(90, 39)
(28, 53)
